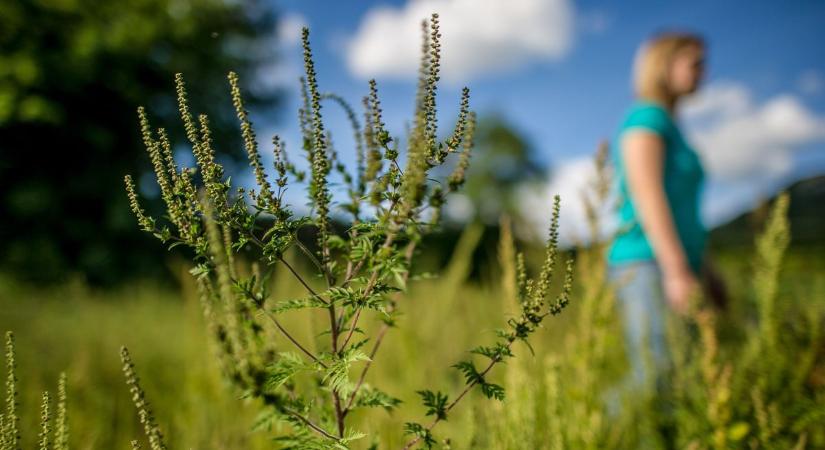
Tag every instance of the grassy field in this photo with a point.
(555, 398)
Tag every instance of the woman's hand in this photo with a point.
(680, 286)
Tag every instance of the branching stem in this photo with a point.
(301, 280)
(250, 296)
(327, 276)
(292, 339)
(467, 389)
(310, 424)
(408, 254)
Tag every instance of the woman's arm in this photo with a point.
(643, 153)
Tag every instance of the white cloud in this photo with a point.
(571, 180)
(459, 208)
(479, 36)
(286, 66)
(720, 101)
(749, 140)
(748, 149)
(290, 28)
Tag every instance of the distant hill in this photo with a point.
(806, 213)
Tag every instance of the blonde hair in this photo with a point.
(653, 61)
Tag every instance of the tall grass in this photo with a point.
(738, 381)
(79, 330)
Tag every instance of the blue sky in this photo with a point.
(560, 72)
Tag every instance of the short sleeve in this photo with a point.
(650, 118)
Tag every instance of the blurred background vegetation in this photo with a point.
(72, 73)
(555, 392)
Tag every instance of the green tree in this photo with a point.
(502, 161)
(72, 73)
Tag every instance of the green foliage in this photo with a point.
(45, 423)
(9, 426)
(420, 433)
(736, 383)
(562, 396)
(53, 431)
(156, 441)
(754, 395)
(61, 428)
(770, 249)
(369, 397)
(436, 403)
(553, 400)
(70, 73)
(360, 270)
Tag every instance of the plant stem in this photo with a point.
(371, 284)
(381, 332)
(298, 276)
(336, 399)
(274, 319)
(308, 253)
(301, 280)
(408, 254)
(311, 425)
(458, 399)
(289, 336)
(339, 413)
(352, 328)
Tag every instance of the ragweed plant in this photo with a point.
(360, 271)
(593, 349)
(54, 430)
(586, 365)
(774, 383)
(151, 428)
(760, 394)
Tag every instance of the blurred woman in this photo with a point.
(657, 259)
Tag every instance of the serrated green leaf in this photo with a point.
(369, 397)
(298, 303)
(418, 430)
(468, 369)
(435, 402)
(491, 390)
(496, 352)
(200, 270)
(284, 368)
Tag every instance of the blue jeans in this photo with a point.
(644, 310)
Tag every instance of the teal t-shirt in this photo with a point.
(683, 178)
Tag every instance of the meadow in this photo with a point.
(555, 397)
(238, 354)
